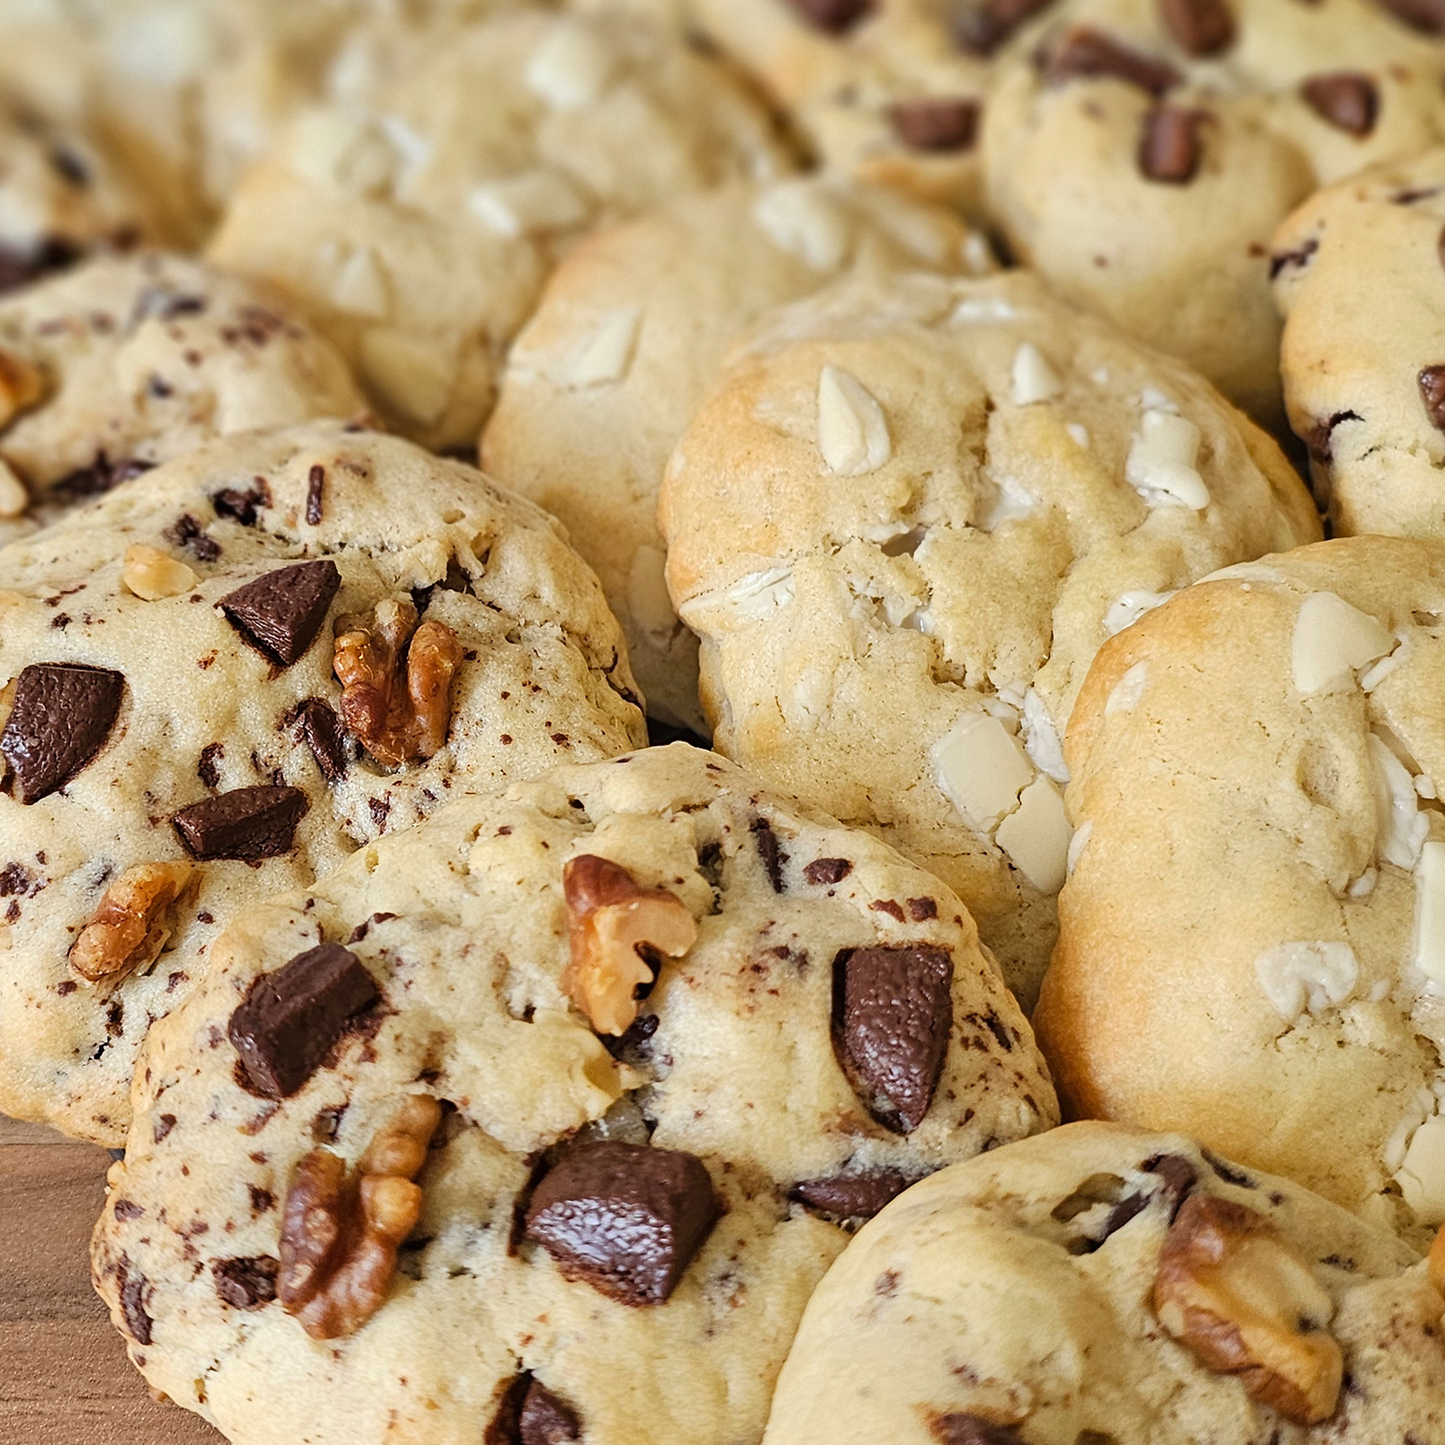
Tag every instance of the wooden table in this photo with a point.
(64, 1377)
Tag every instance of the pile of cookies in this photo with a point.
(641, 640)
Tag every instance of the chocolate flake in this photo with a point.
(1349, 101)
(281, 612)
(251, 823)
(61, 717)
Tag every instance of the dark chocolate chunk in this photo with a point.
(101, 476)
(958, 1428)
(937, 124)
(893, 1014)
(1227, 1171)
(1320, 438)
(545, 1419)
(61, 717)
(290, 1018)
(834, 16)
(854, 1196)
(243, 506)
(282, 612)
(246, 1284)
(1347, 100)
(1282, 260)
(1086, 54)
(1202, 27)
(245, 823)
(321, 732)
(315, 489)
(981, 29)
(1170, 148)
(133, 1290)
(1426, 15)
(770, 851)
(1432, 393)
(1177, 1177)
(823, 871)
(207, 769)
(623, 1218)
(190, 534)
(20, 266)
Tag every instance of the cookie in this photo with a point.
(224, 680)
(903, 522)
(1141, 156)
(632, 328)
(1359, 278)
(1253, 935)
(621, 1204)
(126, 362)
(1096, 1283)
(418, 226)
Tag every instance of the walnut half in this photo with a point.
(127, 930)
(614, 926)
(1246, 1304)
(340, 1233)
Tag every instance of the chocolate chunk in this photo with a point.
(242, 506)
(207, 769)
(1299, 257)
(1169, 148)
(190, 534)
(291, 1017)
(1426, 15)
(282, 612)
(823, 871)
(957, 1428)
(1227, 1172)
(770, 851)
(892, 1017)
(546, 1420)
(315, 487)
(133, 1290)
(937, 124)
(1086, 54)
(1202, 27)
(1346, 100)
(920, 910)
(1432, 393)
(624, 1218)
(20, 266)
(101, 476)
(981, 29)
(245, 823)
(834, 16)
(854, 1196)
(61, 717)
(321, 732)
(246, 1284)
(1177, 1177)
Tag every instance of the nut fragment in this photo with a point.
(340, 1233)
(1435, 1266)
(615, 925)
(127, 930)
(14, 495)
(151, 574)
(1246, 1304)
(22, 384)
(396, 681)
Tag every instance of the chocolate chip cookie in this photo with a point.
(630, 332)
(1097, 1284)
(903, 522)
(1253, 936)
(224, 680)
(542, 1120)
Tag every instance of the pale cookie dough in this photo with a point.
(126, 362)
(632, 329)
(158, 714)
(1142, 154)
(1360, 279)
(417, 223)
(1100, 1285)
(1252, 939)
(903, 522)
(613, 1232)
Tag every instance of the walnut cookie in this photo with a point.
(1141, 155)
(223, 681)
(1098, 1284)
(1252, 942)
(1360, 280)
(631, 330)
(903, 522)
(420, 1114)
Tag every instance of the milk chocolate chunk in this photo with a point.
(855, 1196)
(774, 856)
(893, 1013)
(282, 612)
(1087, 54)
(834, 16)
(1426, 15)
(981, 29)
(1202, 27)
(1170, 149)
(822, 871)
(245, 823)
(1348, 101)
(62, 715)
(959, 1428)
(320, 730)
(937, 124)
(1432, 393)
(290, 1018)
(623, 1218)
(545, 1419)
(133, 1291)
(246, 1284)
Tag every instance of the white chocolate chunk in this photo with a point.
(1034, 380)
(1421, 1176)
(982, 769)
(799, 217)
(605, 353)
(1310, 977)
(14, 497)
(753, 598)
(647, 592)
(1332, 641)
(1429, 949)
(1008, 503)
(1079, 842)
(413, 374)
(1403, 828)
(151, 575)
(1036, 836)
(532, 203)
(975, 311)
(360, 285)
(1128, 607)
(571, 68)
(1125, 694)
(1041, 738)
(1163, 461)
(1078, 434)
(852, 430)
(346, 153)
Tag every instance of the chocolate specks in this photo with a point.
(281, 612)
(61, 717)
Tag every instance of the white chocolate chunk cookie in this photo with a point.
(1360, 279)
(1098, 1285)
(223, 681)
(1252, 940)
(421, 1115)
(632, 329)
(1141, 155)
(903, 522)
(417, 221)
(126, 362)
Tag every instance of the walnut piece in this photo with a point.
(617, 929)
(340, 1233)
(1435, 1267)
(152, 575)
(396, 681)
(22, 384)
(1246, 1304)
(128, 930)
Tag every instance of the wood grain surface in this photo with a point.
(64, 1377)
